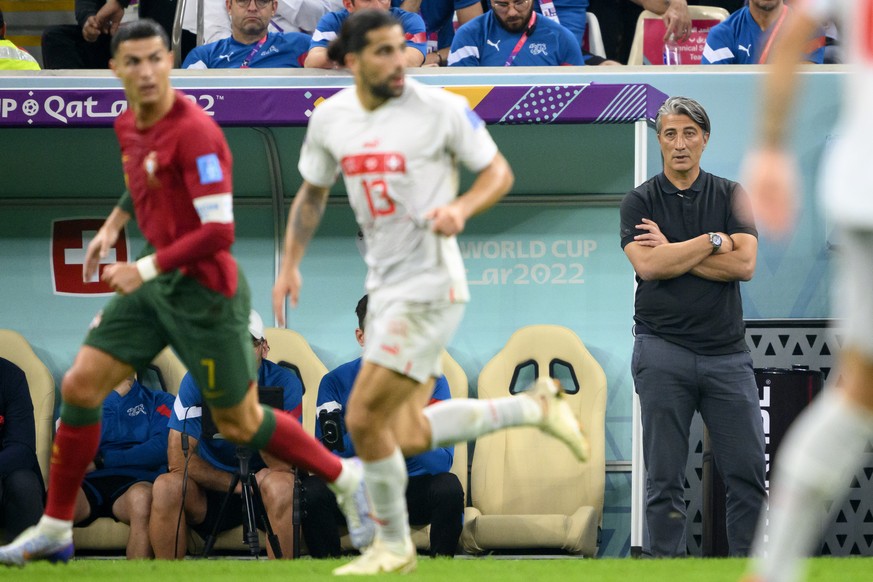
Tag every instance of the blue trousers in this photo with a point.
(672, 383)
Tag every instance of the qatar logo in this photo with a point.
(70, 239)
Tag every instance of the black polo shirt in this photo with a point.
(702, 315)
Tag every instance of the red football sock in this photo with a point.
(293, 444)
(74, 448)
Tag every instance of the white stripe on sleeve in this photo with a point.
(215, 208)
(714, 56)
(462, 53)
(189, 412)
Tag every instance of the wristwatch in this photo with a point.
(715, 241)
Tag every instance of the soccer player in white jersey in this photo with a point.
(825, 445)
(398, 143)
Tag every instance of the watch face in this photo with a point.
(716, 240)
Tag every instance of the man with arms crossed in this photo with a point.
(690, 237)
(825, 445)
(189, 293)
(397, 143)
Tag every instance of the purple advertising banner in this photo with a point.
(292, 106)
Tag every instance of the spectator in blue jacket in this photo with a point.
(211, 465)
(250, 45)
(513, 34)
(132, 453)
(747, 36)
(438, 16)
(434, 495)
(22, 490)
(330, 24)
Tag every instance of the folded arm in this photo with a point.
(736, 265)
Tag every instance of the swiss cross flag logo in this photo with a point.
(70, 238)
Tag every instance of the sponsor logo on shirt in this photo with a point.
(269, 51)
(538, 48)
(374, 163)
(496, 45)
(210, 169)
(745, 49)
(70, 239)
(226, 57)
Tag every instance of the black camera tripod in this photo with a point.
(250, 493)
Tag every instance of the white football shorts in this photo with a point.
(409, 337)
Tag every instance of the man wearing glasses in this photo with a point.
(250, 45)
(512, 34)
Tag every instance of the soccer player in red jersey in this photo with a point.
(188, 293)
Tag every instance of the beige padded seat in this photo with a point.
(527, 489)
(17, 350)
(289, 348)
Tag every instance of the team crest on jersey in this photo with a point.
(136, 410)
(538, 48)
(150, 165)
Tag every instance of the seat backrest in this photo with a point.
(648, 44)
(523, 471)
(172, 370)
(288, 348)
(17, 350)
(592, 40)
(459, 388)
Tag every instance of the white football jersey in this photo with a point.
(848, 175)
(399, 162)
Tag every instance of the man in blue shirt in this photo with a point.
(747, 36)
(211, 464)
(250, 45)
(513, 34)
(329, 26)
(434, 495)
(438, 16)
(132, 453)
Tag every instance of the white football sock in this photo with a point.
(386, 483)
(815, 464)
(56, 528)
(456, 421)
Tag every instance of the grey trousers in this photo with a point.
(672, 382)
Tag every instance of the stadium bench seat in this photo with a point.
(527, 490)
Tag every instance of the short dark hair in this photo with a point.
(145, 28)
(2, 22)
(683, 106)
(353, 34)
(361, 311)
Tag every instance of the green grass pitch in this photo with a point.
(443, 570)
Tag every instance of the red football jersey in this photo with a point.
(178, 172)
